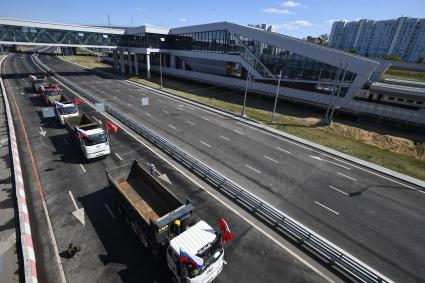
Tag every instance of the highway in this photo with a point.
(374, 217)
(110, 252)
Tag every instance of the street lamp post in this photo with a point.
(246, 91)
(277, 96)
(160, 64)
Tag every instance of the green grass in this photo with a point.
(405, 75)
(88, 61)
(324, 135)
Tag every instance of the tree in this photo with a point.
(421, 60)
(352, 50)
(325, 39)
(393, 57)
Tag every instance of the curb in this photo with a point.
(27, 246)
(273, 131)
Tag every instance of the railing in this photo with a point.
(303, 235)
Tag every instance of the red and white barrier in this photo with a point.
(24, 220)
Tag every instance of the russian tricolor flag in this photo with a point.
(82, 133)
(196, 261)
(59, 105)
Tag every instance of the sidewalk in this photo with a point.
(9, 270)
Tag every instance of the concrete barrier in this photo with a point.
(29, 262)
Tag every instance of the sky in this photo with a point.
(293, 18)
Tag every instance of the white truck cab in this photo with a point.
(66, 111)
(200, 240)
(95, 143)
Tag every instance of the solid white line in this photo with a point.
(253, 169)
(193, 124)
(165, 111)
(224, 138)
(204, 143)
(281, 149)
(119, 157)
(148, 114)
(82, 168)
(337, 164)
(351, 178)
(225, 204)
(171, 126)
(324, 206)
(110, 211)
(269, 158)
(338, 190)
(206, 119)
(236, 131)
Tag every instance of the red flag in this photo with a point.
(78, 101)
(111, 126)
(227, 235)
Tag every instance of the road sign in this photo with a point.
(48, 112)
(145, 101)
(100, 107)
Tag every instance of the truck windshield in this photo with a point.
(68, 110)
(210, 253)
(51, 92)
(95, 139)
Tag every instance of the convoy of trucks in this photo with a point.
(88, 135)
(190, 248)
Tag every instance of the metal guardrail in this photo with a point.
(306, 237)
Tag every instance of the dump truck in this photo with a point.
(38, 81)
(88, 135)
(190, 248)
(51, 94)
(65, 108)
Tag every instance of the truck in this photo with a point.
(65, 108)
(165, 225)
(88, 135)
(37, 81)
(51, 93)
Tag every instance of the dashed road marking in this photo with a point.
(281, 149)
(204, 143)
(351, 178)
(159, 100)
(193, 124)
(171, 126)
(224, 138)
(119, 157)
(253, 169)
(146, 113)
(324, 206)
(82, 168)
(271, 159)
(109, 211)
(206, 119)
(338, 190)
(165, 111)
(239, 132)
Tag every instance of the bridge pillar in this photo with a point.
(136, 64)
(122, 63)
(148, 66)
(115, 61)
(130, 66)
(172, 61)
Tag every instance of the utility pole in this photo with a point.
(160, 68)
(109, 21)
(277, 96)
(338, 94)
(246, 91)
(338, 72)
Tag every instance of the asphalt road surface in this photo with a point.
(372, 216)
(110, 252)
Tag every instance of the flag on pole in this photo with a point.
(78, 101)
(110, 126)
(82, 133)
(59, 104)
(227, 235)
(196, 261)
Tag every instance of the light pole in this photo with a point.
(277, 95)
(160, 64)
(246, 91)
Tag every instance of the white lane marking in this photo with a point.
(318, 158)
(351, 178)
(206, 119)
(191, 108)
(224, 138)
(159, 100)
(239, 132)
(193, 124)
(253, 169)
(165, 111)
(148, 114)
(271, 159)
(204, 143)
(114, 97)
(109, 211)
(281, 149)
(324, 206)
(82, 168)
(171, 126)
(181, 109)
(338, 190)
(129, 104)
(119, 157)
(225, 204)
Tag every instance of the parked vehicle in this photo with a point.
(88, 135)
(191, 249)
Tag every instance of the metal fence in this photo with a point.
(303, 235)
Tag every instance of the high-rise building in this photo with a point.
(403, 37)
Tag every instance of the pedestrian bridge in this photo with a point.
(22, 32)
